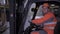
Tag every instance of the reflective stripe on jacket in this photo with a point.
(49, 17)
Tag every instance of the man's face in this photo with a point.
(45, 9)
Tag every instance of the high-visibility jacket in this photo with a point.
(49, 21)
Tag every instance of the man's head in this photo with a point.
(45, 7)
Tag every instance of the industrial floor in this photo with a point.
(8, 30)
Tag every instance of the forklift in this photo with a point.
(54, 6)
(3, 15)
(7, 16)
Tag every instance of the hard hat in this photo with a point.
(45, 5)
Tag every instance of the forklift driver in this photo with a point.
(48, 19)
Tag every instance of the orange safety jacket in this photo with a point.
(49, 21)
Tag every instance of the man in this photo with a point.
(48, 19)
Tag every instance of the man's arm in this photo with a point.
(42, 20)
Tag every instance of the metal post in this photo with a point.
(24, 15)
(12, 15)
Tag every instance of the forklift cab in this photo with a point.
(34, 13)
(54, 7)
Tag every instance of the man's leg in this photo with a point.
(57, 28)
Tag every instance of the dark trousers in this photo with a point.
(57, 28)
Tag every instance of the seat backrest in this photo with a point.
(35, 32)
(39, 32)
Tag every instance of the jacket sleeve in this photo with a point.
(41, 20)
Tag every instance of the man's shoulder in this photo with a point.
(49, 14)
